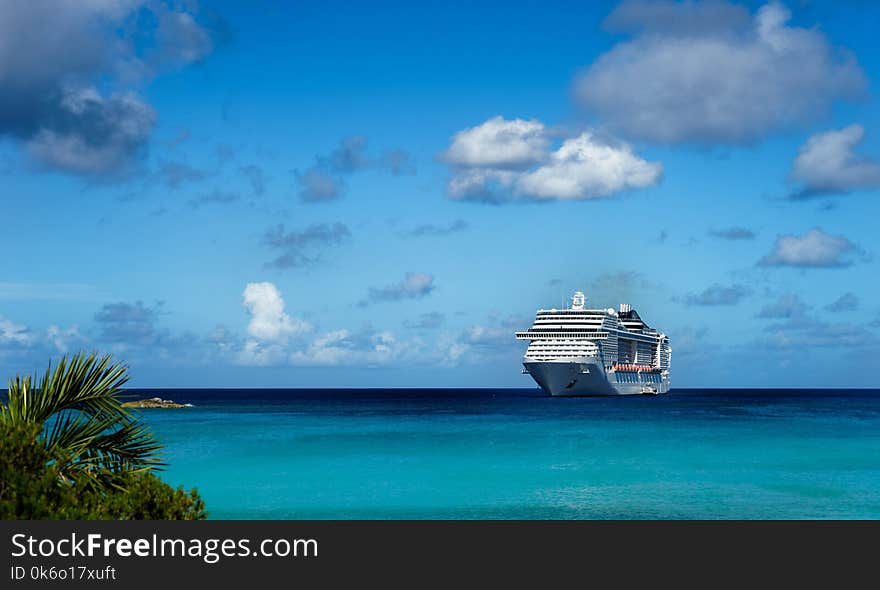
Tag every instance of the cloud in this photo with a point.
(414, 286)
(317, 185)
(325, 179)
(788, 306)
(499, 143)
(704, 73)
(175, 174)
(585, 168)
(846, 302)
(257, 178)
(733, 233)
(12, 334)
(365, 347)
(802, 332)
(432, 229)
(269, 322)
(65, 340)
(69, 70)
(827, 164)
(717, 295)
(814, 249)
(93, 135)
(427, 321)
(129, 323)
(502, 160)
(215, 197)
(493, 338)
(274, 338)
(296, 247)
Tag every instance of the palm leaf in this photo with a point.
(76, 404)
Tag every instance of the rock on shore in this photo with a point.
(154, 402)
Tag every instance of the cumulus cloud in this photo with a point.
(717, 295)
(501, 160)
(365, 347)
(433, 229)
(274, 338)
(827, 163)
(414, 285)
(814, 249)
(325, 179)
(788, 306)
(708, 73)
(269, 322)
(54, 57)
(846, 302)
(93, 135)
(733, 233)
(585, 168)
(297, 248)
(499, 143)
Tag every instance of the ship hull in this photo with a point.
(586, 376)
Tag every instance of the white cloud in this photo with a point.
(15, 334)
(814, 249)
(269, 322)
(583, 168)
(501, 160)
(65, 340)
(827, 163)
(499, 143)
(369, 347)
(725, 79)
(274, 338)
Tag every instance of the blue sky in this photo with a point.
(343, 194)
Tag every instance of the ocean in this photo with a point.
(517, 454)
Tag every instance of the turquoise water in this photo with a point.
(757, 454)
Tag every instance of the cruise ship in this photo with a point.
(580, 351)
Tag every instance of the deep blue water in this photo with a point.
(517, 454)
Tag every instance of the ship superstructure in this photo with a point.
(581, 351)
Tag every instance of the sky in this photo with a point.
(345, 194)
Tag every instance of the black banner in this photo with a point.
(145, 554)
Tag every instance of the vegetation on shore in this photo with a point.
(154, 402)
(70, 450)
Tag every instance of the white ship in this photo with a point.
(580, 351)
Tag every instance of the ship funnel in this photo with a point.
(577, 302)
(625, 307)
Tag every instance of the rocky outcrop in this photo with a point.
(155, 402)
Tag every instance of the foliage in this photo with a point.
(69, 450)
(84, 425)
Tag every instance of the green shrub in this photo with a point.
(70, 450)
(33, 488)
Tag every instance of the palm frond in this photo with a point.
(77, 405)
